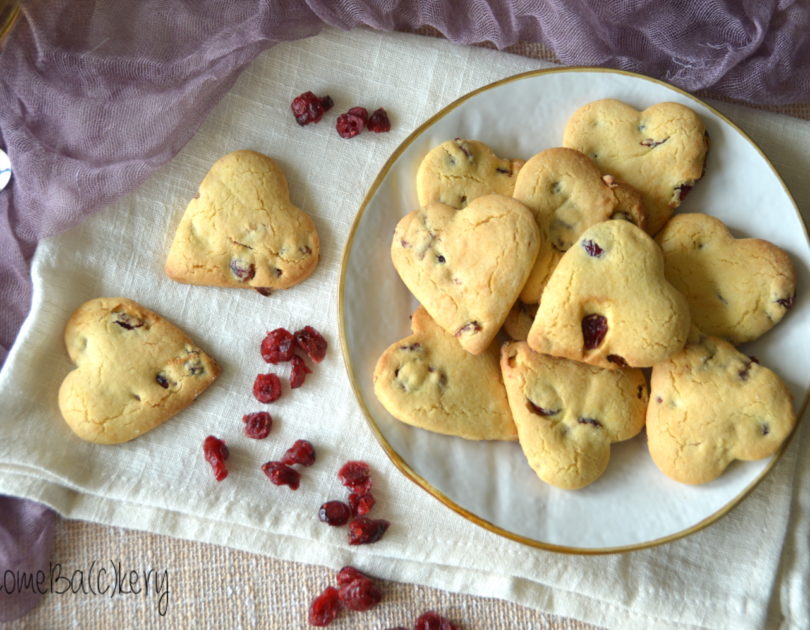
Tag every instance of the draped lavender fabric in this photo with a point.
(96, 96)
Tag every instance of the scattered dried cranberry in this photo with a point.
(434, 621)
(378, 121)
(302, 452)
(349, 125)
(311, 342)
(325, 607)
(334, 513)
(257, 425)
(356, 476)
(348, 574)
(360, 594)
(364, 530)
(299, 372)
(360, 112)
(216, 452)
(281, 474)
(309, 108)
(278, 346)
(267, 388)
(361, 504)
(594, 329)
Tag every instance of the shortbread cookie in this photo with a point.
(567, 194)
(710, 405)
(134, 370)
(660, 151)
(241, 230)
(466, 267)
(429, 381)
(458, 171)
(737, 289)
(608, 302)
(568, 413)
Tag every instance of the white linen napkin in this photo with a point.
(748, 570)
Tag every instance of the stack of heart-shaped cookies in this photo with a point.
(621, 313)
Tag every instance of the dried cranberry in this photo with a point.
(356, 476)
(311, 342)
(618, 360)
(334, 513)
(257, 425)
(281, 474)
(309, 108)
(302, 452)
(683, 190)
(361, 504)
(242, 271)
(592, 248)
(360, 594)
(364, 530)
(325, 607)
(216, 452)
(348, 574)
(360, 112)
(299, 372)
(278, 346)
(594, 329)
(787, 302)
(433, 621)
(378, 121)
(349, 125)
(267, 388)
(540, 411)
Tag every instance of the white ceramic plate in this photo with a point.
(632, 505)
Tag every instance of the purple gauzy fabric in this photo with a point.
(26, 535)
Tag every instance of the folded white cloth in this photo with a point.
(748, 570)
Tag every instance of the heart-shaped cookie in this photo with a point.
(135, 370)
(467, 267)
(458, 171)
(241, 230)
(568, 413)
(568, 194)
(429, 381)
(660, 151)
(737, 289)
(710, 405)
(608, 302)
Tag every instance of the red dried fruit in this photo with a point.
(378, 121)
(786, 303)
(216, 452)
(540, 411)
(594, 329)
(301, 452)
(299, 372)
(334, 513)
(325, 607)
(432, 620)
(282, 475)
(311, 342)
(257, 425)
(348, 574)
(618, 360)
(364, 530)
(267, 388)
(360, 594)
(592, 248)
(278, 346)
(309, 108)
(361, 504)
(242, 270)
(349, 125)
(360, 112)
(356, 476)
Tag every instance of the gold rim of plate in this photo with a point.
(378, 434)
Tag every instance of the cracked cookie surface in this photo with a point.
(242, 231)
(710, 405)
(737, 289)
(429, 381)
(134, 370)
(608, 303)
(568, 413)
(457, 171)
(660, 151)
(467, 267)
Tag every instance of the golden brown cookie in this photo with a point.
(660, 151)
(429, 381)
(242, 231)
(134, 370)
(568, 413)
(710, 405)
